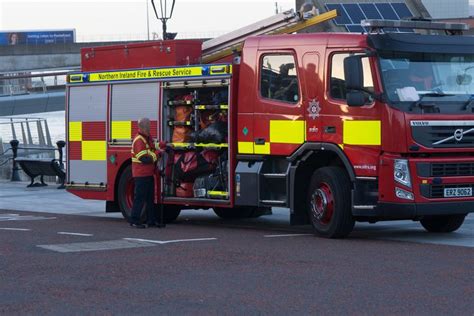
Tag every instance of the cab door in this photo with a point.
(279, 126)
(357, 130)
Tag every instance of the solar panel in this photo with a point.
(387, 11)
(402, 10)
(355, 28)
(350, 14)
(342, 19)
(354, 12)
(370, 11)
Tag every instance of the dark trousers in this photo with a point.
(144, 188)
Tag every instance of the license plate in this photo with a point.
(457, 192)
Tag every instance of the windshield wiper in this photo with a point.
(422, 106)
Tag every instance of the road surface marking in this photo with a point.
(75, 234)
(287, 235)
(162, 242)
(16, 217)
(96, 246)
(16, 229)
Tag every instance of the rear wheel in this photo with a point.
(125, 194)
(442, 223)
(329, 203)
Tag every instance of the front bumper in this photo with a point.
(415, 210)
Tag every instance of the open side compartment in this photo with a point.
(196, 128)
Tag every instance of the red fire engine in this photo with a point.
(336, 127)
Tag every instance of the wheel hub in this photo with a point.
(322, 204)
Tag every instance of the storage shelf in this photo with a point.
(197, 145)
(212, 107)
(179, 123)
(180, 102)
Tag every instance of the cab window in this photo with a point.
(278, 78)
(337, 84)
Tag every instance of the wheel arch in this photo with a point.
(307, 159)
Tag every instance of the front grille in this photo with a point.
(437, 191)
(429, 135)
(452, 169)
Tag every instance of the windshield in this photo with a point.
(416, 77)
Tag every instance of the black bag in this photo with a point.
(214, 133)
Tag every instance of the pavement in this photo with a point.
(63, 255)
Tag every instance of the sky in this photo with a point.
(96, 20)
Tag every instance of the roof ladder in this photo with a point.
(282, 23)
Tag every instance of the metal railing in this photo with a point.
(29, 83)
(33, 131)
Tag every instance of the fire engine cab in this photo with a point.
(337, 128)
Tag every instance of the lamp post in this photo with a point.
(147, 22)
(164, 13)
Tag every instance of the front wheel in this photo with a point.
(442, 223)
(125, 194)
(329, 203)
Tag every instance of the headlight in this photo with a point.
(402, 194)
(401, 173)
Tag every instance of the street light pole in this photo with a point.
(147, 21)
(166, 12)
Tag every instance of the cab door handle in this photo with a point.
(260, 141)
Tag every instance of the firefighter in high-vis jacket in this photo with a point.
(144, 161)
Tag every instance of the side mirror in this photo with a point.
(356, 98)
(353, 73)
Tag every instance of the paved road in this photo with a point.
(75, 264)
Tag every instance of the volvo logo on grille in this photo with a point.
(458, 134)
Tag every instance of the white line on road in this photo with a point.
(16, 229)
(162, 242)
(287, 235)
(75, 234)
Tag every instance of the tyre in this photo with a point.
(234, 213)
(329, 203)
(125, 193)
(442, 223)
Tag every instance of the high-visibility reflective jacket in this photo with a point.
(144, 156)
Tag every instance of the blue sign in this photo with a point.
(37, 37)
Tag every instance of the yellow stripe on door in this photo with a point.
(262, 149)
(94, 150)
(287, 132)
(362, 133)
(75, 131)
(121, 130)
(245, 147)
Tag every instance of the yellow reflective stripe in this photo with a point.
(218, 193)
(146, 74)
(287, 132)
(153, 155)
(262, 149)
(245, 147)
(75, 131)
(121, 130)
(143, 139)
(141, 153)
(136, 160)
(362, 133)
(94, 150)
